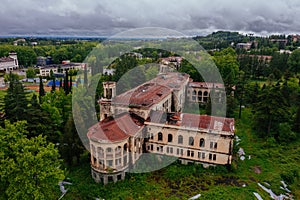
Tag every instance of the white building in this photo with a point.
(9, 63)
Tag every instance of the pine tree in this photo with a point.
(15, 101)
(41, 90)
(71, 82)
(71, 143)
(53, 84)
(66, 83)
(270, 110)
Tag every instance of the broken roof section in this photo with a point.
(145, 95)
(153, 91)
(192, 121)
(115, 129)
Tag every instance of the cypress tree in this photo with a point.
(41, 90)
(53, 84)
(71, 82)
(66, 84)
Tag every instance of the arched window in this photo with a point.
(125, 147)
(180, 139)
(108, 149)
(205, 93)
(202, 142)
(191, 141)
(170, 137)
(200, 93)
(194, 92)
(160, 136)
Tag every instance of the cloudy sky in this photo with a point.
(108, 17)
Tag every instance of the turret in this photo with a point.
(106, 110)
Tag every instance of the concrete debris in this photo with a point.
(273, 195)
(249, 157)
(284, 187)
(284, 184)
(267, 184)
(241, 152)
(62, 187)
(257, 196)
(242, 157)
(195, 197)
(237, 139)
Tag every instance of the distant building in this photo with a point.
(282, 51)
(19, 41)
(60, 68)
(245, 46)
(172, 61)
(42, 61)
(107, 71)
(259, 58)
(149, 119)
(295, 38)
(9, 63)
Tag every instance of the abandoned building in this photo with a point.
(149, 118)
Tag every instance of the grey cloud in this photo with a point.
(108, 17)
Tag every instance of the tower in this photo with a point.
(106, 110)
(15, 57)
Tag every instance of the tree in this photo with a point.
(226, 61)
(270, 110)
(15, 101)
(30, 73)
(71, 145)
(296, 126)
(29, 168)
(41, 90)
(294, 61)
(39, 122)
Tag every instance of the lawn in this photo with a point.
(269, 163)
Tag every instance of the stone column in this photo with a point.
(114, 157)
(97, 158)
(92, 155)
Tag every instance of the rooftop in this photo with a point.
(187, 120)
(145, 95)
(115, 129)
(6, 59)
(153, 91)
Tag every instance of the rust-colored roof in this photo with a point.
(207, 122)
(113, 130)
(153, 91)
(145, 95)
(6, 59)
(193, 121)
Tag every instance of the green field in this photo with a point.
(269, 163)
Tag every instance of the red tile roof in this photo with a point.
(145, 95)
(113, 130)
(193, 121)
(6, 59)
(207, 122)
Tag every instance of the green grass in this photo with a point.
(184, 181)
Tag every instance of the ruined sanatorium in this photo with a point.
(149, 119)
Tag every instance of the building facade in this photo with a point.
(149, 119)
(9, 63)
